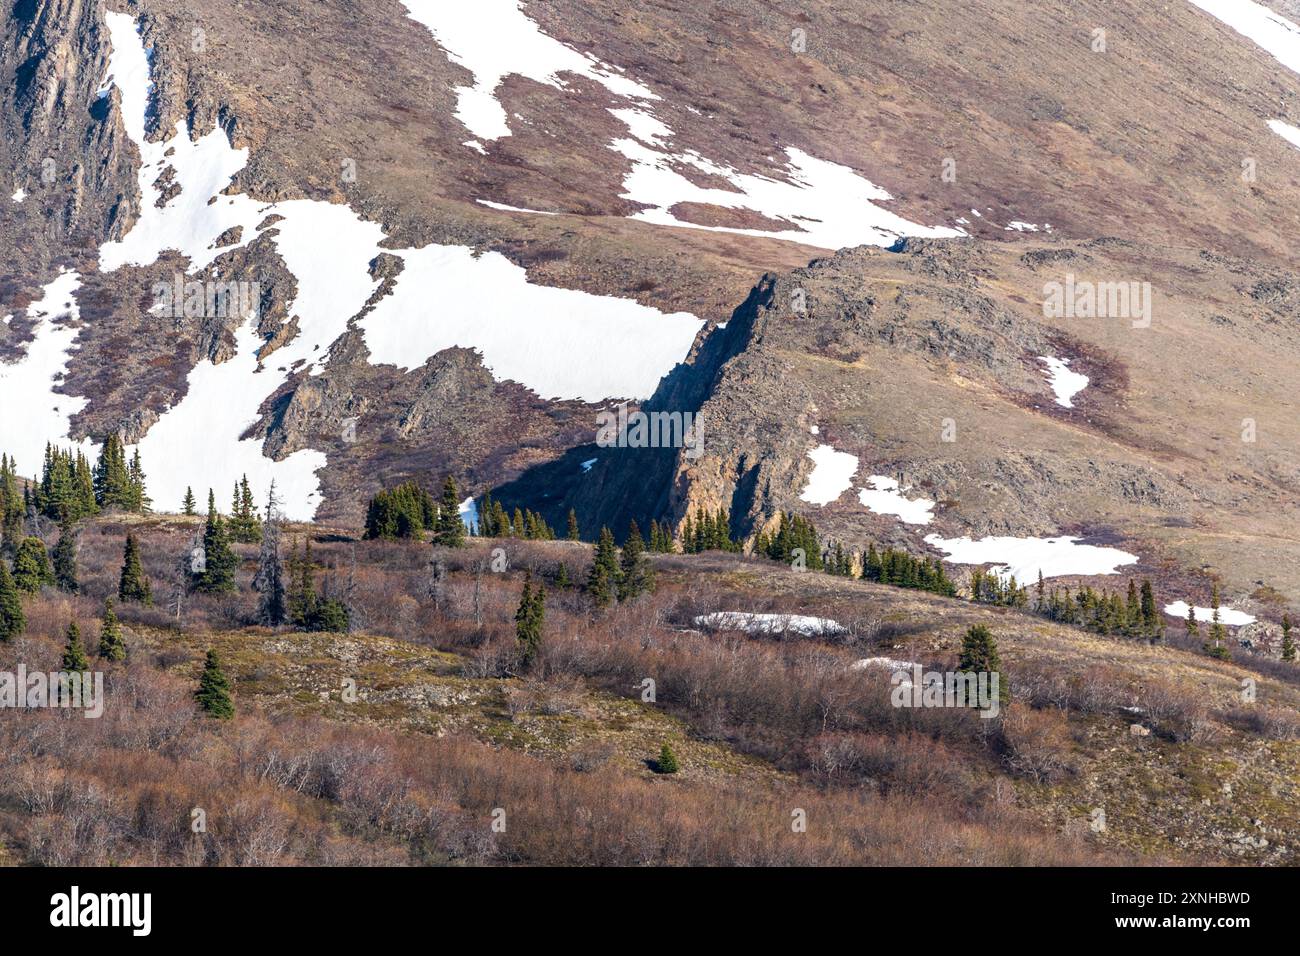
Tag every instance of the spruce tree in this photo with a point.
(219, 560)
(979, 654)
(1193, 628)
(213, 693)
(604, 577)
(111, 645)
(138, 500)
(1288, 646)
(65, 558)
(32, 569)
(636, 575)
(12, 619)
(112, 478)
(74, 655)
(667, 762)
(13, 506)
(1217, 646)
(1150, 614)
(244, 526)
(573, 526)
(530, 620)
(188, 505)
(450, 532)
(133, 584)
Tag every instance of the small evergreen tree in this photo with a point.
(667, 761)
(979, 654)
(301, 603)
(450, 532)
(32, 568)
(244, 525)
(406, 511)
(132, 584)
(636, 575)
(219, 560)
(573, 526)
(65, 557)
(111, 645)
(1288, 645)
(112, 477)
(74, 655)
(12, 619)
(213, 693)
(603, 581)
(1150, 613)
(188, 505)
(530, 620)
(1216, 646)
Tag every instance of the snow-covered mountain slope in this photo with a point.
(460, 231)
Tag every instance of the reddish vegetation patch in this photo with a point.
(703, 215)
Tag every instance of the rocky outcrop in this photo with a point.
(63, 141)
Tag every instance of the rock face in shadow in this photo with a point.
(851, 351)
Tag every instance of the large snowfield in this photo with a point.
(561, 343)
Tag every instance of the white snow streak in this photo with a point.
(35, 413)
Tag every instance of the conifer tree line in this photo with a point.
(69, 487)
(795, 537)
(904, 570)
(408, 511)
(708, 532)
(495, 522)
(1134, 614)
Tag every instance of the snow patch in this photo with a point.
(1065, 383)
(832, 475)
(504, 208)
(1286, 131)
(494, 39)
(771, 623)
(199, 438)
(1277, 35)
(1227, 615)
(35, 412)
(886, 498)
(827, 204)
(1026, 557)
(19, 195)
(561, 343)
